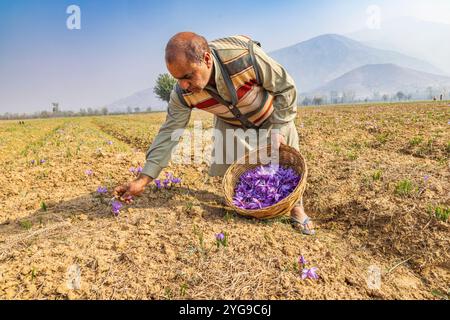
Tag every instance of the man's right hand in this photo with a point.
(128, 190)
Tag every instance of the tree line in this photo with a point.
(165, 83)
(348, 97)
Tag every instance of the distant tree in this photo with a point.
(306, 101)
(149, 109)
(129, 109)
(55, 106)
(400, 96)
(137, 110)
(104, 111)
(334, 97)
(348, 96)
(164, 86)
(44, 114)
(385, 97)
(317, 101)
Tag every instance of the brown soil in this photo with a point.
(163, 246)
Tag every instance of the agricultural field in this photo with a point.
(378, 191)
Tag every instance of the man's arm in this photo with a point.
(278, 82)
(159, 153)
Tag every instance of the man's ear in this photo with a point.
(208, 59)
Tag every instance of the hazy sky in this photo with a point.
(119, 48)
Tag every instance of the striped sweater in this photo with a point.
(234, 61)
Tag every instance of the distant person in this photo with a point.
(441, 97)
(234, 79)
(434, 98)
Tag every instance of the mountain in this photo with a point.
(411, 36)
(383, 78)
(142, 99)
(314, 62)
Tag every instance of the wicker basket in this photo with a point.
(288, 157)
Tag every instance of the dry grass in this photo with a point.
(377, 189)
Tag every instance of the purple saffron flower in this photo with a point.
(158, 183)
(220, 236)
(166, 183)
(33, 161)
(176, 180)
(139, 170)
(102, 190)
(264, 186)
(302, 260)
(42, 161)
(109, 142)
(426, 178)
(309, 273)
(116, 206)
(169, 176)
(132, 170)
(89, 172)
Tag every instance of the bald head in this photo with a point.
(186, 45)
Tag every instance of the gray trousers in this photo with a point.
(288, 130)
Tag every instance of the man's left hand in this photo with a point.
(278, 139)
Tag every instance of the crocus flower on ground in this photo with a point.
(109, 142)
(42, 161)
(168, 182)
(221, 239)
(89, 172)
(134, 170)
(33, 161)
(176, 180)
(220, 236)
(116, 206)
(309, 273)
(102, 190)
(302, 261)
(264, 186)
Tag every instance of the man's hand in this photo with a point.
(128, 190)
(278, 139)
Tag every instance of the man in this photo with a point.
(241, 85)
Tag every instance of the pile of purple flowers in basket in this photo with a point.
(264, 186)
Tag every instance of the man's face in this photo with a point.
(192, 76)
